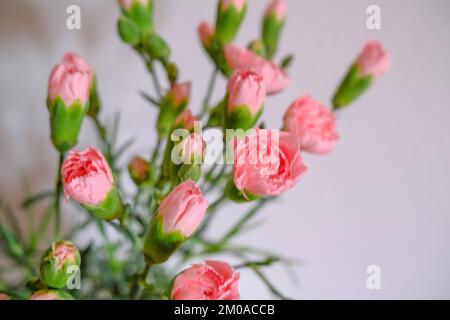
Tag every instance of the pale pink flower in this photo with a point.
(267, 162)
(192, 148)
(373, 60)
(4, 296)
(86, 176)
(71, 80)
(205, 31)
(278, 8)
(183, 209)
(239, 58)
(211, 280)
(246, 88)
(313, 124)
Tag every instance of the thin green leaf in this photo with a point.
(36, 198)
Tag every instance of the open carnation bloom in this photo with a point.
(267, 162)
(86, 176)
(211, 280)
(313, 124)
(239, 58)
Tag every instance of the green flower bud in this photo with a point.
(230, 14)
(272, 25)
(57, 263)
(140, 171)
(129, 30)
(157, 48)
(140, 12)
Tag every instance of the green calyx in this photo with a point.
(157, 48)
(236, 195)
(242, 118)
(228, 22)
(158, 245)
(167, 114)
(110, 208)
(59, 263)
(351, 87)
(141, 15)
(94, 100)
(65, 123)
(271, 31)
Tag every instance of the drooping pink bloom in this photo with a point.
(267, 162)
(239, 58)
(183, 209)
(71, 80)
(246, 89)
(313, 124)
(86, 176)
(211, 280)
(205, 31)
(373, 60)
(278, 8)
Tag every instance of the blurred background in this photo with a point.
(380, 198)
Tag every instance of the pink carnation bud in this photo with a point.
(211, 280)
(278, 8)
(180, 92)
(246, 89)
(239, 58)
(71, 80)
(186, 120)
(193, 147)
(183, 209)
(313, 124)
(205, 31)
(51, 295)
(267, 162)
(238, 4)
(373, 60)
(126, 4)
(86, 176)
(4, 297)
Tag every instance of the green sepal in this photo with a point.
(189, 171)
(142, 16)
(52, 275)
(65, 123)
(94, 100)
(157, 48)
(228, 22)
(241, 118)
(351, 88)
(167, 114)
(258, 47)
(110, 208)
(158, 245)
(236, 195)
(271, 33)
(128, 30)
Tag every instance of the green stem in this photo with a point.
(209, 92)
(156, 150)
(58, 199)
(138, 277)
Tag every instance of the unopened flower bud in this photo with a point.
(230, 14)
(172, 105)
(274, 19)
(69, 89)
(57, 263)
(185, 120)
(258, 47)
(87, 179)
(51, 295)
(136, 22)
(206, 33)
(178, 216)
(372, 62)
(140, 170)
(246, 93)
(157, 48)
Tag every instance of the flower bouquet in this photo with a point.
(156, 238)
